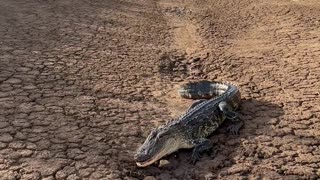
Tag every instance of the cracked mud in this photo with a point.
(83, 82)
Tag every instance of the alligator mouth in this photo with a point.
(149, 161)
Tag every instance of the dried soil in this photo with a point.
(83, 82)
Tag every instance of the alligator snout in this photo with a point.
(141, 157)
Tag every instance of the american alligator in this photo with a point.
(218, 101)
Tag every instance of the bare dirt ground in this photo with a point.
(82, 82)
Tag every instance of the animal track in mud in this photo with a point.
(184, 31)
(172, 66)
(181, 67)
(176, 11)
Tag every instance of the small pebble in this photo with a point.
(163, 163)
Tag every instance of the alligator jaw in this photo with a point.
(162, 153)
(149, 162)
(144, 164)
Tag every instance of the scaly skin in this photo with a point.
(191, 129)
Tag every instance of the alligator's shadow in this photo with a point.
(258, 117)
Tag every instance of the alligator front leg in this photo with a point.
(236, 122)
(201, 145)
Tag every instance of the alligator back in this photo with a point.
(204, 118)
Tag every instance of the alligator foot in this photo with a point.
(235, 127)
(201, 145)
(231, 115)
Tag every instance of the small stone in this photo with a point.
(149, 178)
(6, 138)
(164, 163)
(13, 81)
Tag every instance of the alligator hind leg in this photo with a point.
(236, 122)
(201, 145)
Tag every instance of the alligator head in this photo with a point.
(159, 143)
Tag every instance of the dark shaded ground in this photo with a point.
(83, 82)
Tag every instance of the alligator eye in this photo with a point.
(160, 135)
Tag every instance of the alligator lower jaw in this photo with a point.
(150, 161)
(146, 163)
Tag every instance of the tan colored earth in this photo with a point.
(82, 83)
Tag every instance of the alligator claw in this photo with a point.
(195, 157)
(234, 128)
(201, 146)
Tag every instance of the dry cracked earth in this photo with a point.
(82, 83)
